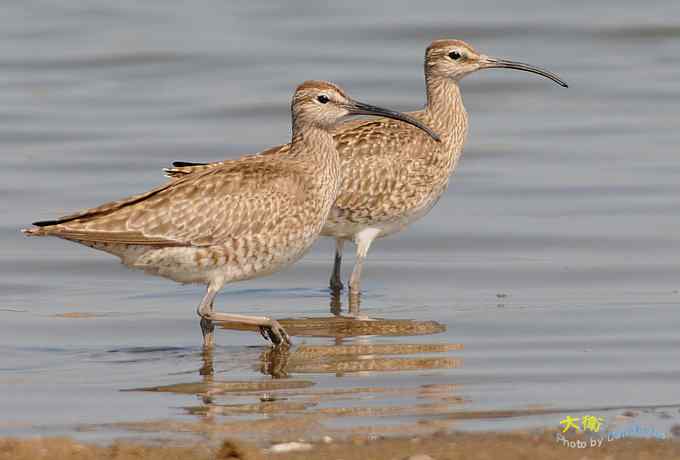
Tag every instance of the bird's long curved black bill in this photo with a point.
(359, 108)
(493, 63)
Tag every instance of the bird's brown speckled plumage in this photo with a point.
(241, 219)
(244, 213)
(391, 173)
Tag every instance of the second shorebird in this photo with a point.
(244, 219)
(392, 175)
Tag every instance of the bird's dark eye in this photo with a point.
(323, 99)
(455, 55)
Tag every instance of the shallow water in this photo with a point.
(552, 259)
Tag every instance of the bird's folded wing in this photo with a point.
(228, 201)
(386, 168)
(182, 168)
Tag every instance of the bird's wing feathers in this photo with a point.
(223, 202)
(380, 159)
(182, 168)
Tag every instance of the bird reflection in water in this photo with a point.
(293, 390)
(355, 348)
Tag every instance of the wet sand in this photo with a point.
(459, 446)
(543, 284)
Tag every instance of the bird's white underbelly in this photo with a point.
(191, 265)
(347, 230)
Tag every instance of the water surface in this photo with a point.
(552, 258)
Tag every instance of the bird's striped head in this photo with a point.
(323, 104)
(455, 59)
(319, 103)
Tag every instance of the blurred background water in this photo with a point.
(553, 257)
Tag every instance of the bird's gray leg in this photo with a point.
(270, 328)
(207, 326)
(336, 277)
(363, 240)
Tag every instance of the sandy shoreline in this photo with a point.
(508, 446)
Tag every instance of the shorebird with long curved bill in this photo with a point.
(244, 219)
(392, 175)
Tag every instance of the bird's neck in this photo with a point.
(310, 140)
(446, 114)
(314, 145)
(313, 151)
(445, 107)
